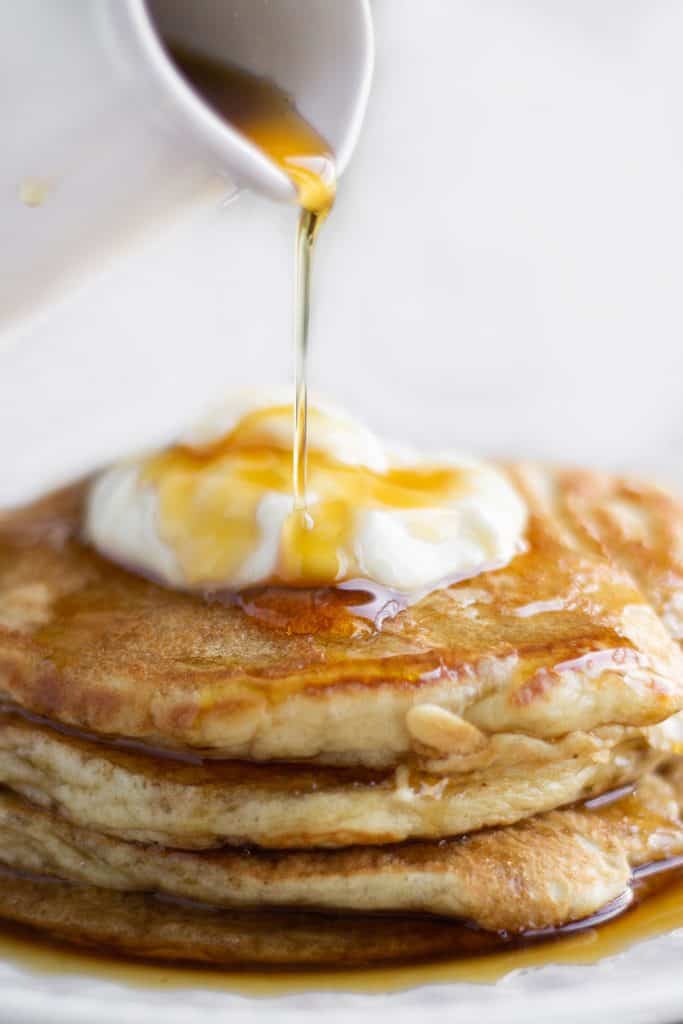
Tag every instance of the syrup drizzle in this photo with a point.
(316, 548)
(209, 500)
(269, 119)
(306, 233)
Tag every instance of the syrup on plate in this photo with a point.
(657, 908)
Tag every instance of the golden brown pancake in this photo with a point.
(563, 640)
(544, 872)
(195, 805)
(635, 524)
(140, 925)
(494, 699)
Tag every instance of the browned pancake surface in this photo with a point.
(142, 926)
(87, 643)
(544, 872)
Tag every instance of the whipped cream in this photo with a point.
(215, 511)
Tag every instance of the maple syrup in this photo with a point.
(269, 119)
(209, 499)
(315, 539)
(216, 525)
(474, 956)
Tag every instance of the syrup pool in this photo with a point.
(657, 908)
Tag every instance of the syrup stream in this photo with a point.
(305, 238)
(268, 118)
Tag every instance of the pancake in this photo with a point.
(562, 640)
(544, 872)
(193, 804)
(469, 723)
(636, 525)
(141, 925)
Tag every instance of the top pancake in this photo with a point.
(573, 635)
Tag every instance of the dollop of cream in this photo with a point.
(215, 511)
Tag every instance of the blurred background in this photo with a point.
(501, 272)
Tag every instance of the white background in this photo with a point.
(502, 271)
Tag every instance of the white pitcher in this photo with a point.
(103, 136)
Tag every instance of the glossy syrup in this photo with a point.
(217, 522)
(210, 497)
(268, 118)
(657, 908)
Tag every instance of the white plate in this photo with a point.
(642, 986)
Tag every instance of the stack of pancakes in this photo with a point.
(266, 781)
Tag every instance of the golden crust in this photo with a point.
(560, 640)
(514, 693)
(543, 872)
(636, 525)
(111, 920)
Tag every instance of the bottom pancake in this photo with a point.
(145, 927)
(544, 872)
